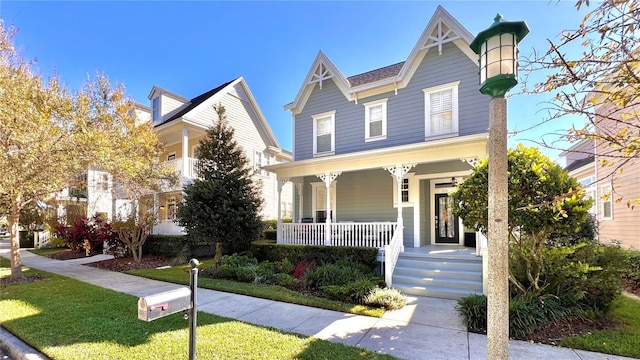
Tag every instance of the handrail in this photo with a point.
(391, 253)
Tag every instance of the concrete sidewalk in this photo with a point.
(426, 328)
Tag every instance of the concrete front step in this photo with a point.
(435, 275)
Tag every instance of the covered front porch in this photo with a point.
(392, 198)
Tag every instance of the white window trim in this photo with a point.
(453, 86)
(316, 202)
(606, 190)
(367, 128)
(413, 189)
(315, 118)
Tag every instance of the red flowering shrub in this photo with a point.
(302, 267)
(95, 230)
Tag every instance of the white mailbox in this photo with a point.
(159, 305)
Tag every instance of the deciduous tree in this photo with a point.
(48, 135)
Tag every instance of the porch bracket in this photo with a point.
(281, 183)
(471, 161)
(398, 172)
(328, 178)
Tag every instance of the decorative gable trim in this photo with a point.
(441, 29)
(322, 70)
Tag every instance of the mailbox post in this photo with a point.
(170, 302)
(193, 283)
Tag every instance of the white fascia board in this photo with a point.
(465, 146)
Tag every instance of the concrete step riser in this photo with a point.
(441, 294)
(442, 283)
(435, 265)
(449, 274)
(446, 277)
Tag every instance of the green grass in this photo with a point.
(68, 319)
(624, 341)
(180, 275)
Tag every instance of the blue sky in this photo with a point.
(191, 47)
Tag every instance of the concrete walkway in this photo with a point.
(426, 328)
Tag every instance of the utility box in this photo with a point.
(159, 305)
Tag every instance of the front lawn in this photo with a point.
(68, 319)
(179, 275)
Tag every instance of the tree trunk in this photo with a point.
(14, 220)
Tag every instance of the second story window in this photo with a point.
(375, 115)
(441, 110)
(260, 159)
(102, 182)
(324, 133)
(155, 109)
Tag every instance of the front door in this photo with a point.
(446, 222)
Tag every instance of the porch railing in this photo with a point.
(391, 253)
(364, 234)
(176, 165)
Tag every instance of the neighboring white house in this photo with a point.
(181, 123)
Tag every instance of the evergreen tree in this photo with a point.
(223, 205)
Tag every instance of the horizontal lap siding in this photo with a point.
(365, 196)
(625, 226)
(405, 111)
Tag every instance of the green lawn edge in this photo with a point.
(69, 319)
(180, 275)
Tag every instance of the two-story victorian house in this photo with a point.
(181, 123)
(376, 153)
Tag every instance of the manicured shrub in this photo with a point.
(321, 254)
(284, 266)
(170, 246)
(388, 298)
(332, 274)
(287, 281)
(631, 268)
(473, 310)
(353, 292)
(270, 234)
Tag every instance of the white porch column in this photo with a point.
(299, 191)
(156, 209)
(398, 173)
(185, 152)
(328, 178)
(281, 183)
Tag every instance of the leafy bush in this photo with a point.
(473, 310)
(284, 266)
(332, 274)
(388, 298)
(353, 292)
(287, 281)
(321, 254)
(631, 268)
(270, 234)
(170, 246)
(302, 268)
(57, 242)
(95, 230)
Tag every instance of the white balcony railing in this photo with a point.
(191, 170)
(391, 253)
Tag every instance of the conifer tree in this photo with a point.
(222, 206)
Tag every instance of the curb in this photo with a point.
(17, 349)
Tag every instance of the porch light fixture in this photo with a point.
(497, 47)
(498, 50)
(454, 181)
(161, 207)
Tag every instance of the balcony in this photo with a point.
(191, 168)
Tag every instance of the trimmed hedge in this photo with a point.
(321, 254)
(170, 246)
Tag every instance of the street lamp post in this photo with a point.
(498, 50)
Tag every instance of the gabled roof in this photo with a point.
(580, 163)
(155, 89)
(191, 105)
(441, 29)
(196, 101)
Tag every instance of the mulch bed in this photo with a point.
(553, 333)
(127, 263)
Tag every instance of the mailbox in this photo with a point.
(159, 305)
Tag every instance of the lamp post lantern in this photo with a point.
(497, 47)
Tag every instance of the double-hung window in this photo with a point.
(441, 110)
(607, 202)
(375, 115)
(261, 159)
(324, 133)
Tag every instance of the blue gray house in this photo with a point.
(375, 155)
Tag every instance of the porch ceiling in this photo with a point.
(171, 133)
(474, 146)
